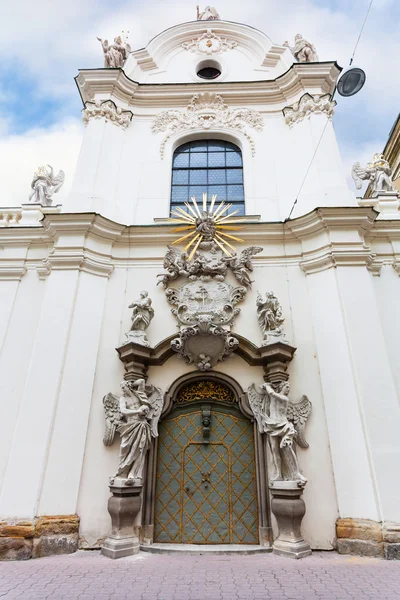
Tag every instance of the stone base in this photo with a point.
(42, 536)
(114, 547)
(123, 506)
(289, 510)
(363, 537)
(299, 549)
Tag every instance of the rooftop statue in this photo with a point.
(116, 54)
(378, 172)
(303, 51)
(284, 422)
(45, 184)
(134, 415)
(209, 14)
(142, 314)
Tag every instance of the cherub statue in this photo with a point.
(241, 265)
(209, 14)
(284, 422)
(142, 315)
(303, 51)
(134, 415)
(378, 172)
(175, 262)
(44, 185)
(116, 54)
(270, 318)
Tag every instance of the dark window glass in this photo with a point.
(211, 166)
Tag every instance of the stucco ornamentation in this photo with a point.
(107, 110)
(303, 51)
(270, 318)
(209, 43)
(207, 111)
(142, 314)
(378, 172)
(284, 423)
(205, 306)
(307, 106)
(134, 415)
(45, 184)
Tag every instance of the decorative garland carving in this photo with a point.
(209, 43)
(308, 105)
(207, 111)
(108, 110)
(202, 390)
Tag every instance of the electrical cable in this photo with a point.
(362, 29)
(323, 131)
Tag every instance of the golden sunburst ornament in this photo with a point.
(205, 225)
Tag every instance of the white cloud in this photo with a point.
(22, 154)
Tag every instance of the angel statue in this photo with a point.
(284, 422)
(270, 318)
(134, 415)
(303, 51)
(142, 314)
(175, 262)
(378, 172)
(116, 54)
(241, 265)
(45, 184)
(209, 14)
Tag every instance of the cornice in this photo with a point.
(12, 269)
(114, 84)
(335, 255)
(95, 244)
(165, 43)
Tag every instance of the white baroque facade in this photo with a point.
(68, 275)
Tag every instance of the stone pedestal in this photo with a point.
(276, 357)
(289, 510)
(123, 506)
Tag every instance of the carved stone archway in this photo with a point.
(149, 492)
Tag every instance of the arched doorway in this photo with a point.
(206, 483)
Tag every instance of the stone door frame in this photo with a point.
(260, 450)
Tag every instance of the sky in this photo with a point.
(43, 43)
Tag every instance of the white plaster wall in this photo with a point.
(100, 462)
(122, 175)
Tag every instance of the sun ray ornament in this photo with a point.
(205, 305)
(205, 224)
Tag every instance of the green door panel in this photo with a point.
(206, 492)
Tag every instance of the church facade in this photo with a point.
(205, 309)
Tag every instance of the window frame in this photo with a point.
(191, 146)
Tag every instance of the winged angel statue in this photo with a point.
(134, 415)
(45, 184)
(378, 172)
(284, 422)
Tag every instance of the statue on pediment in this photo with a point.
(45, 184)
(303, 51)
(209, 14)
(270, 318)
(142, 314)
(115, 54)
(378, 172)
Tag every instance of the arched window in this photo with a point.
(211, 166)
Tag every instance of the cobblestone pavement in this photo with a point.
(90, 576)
